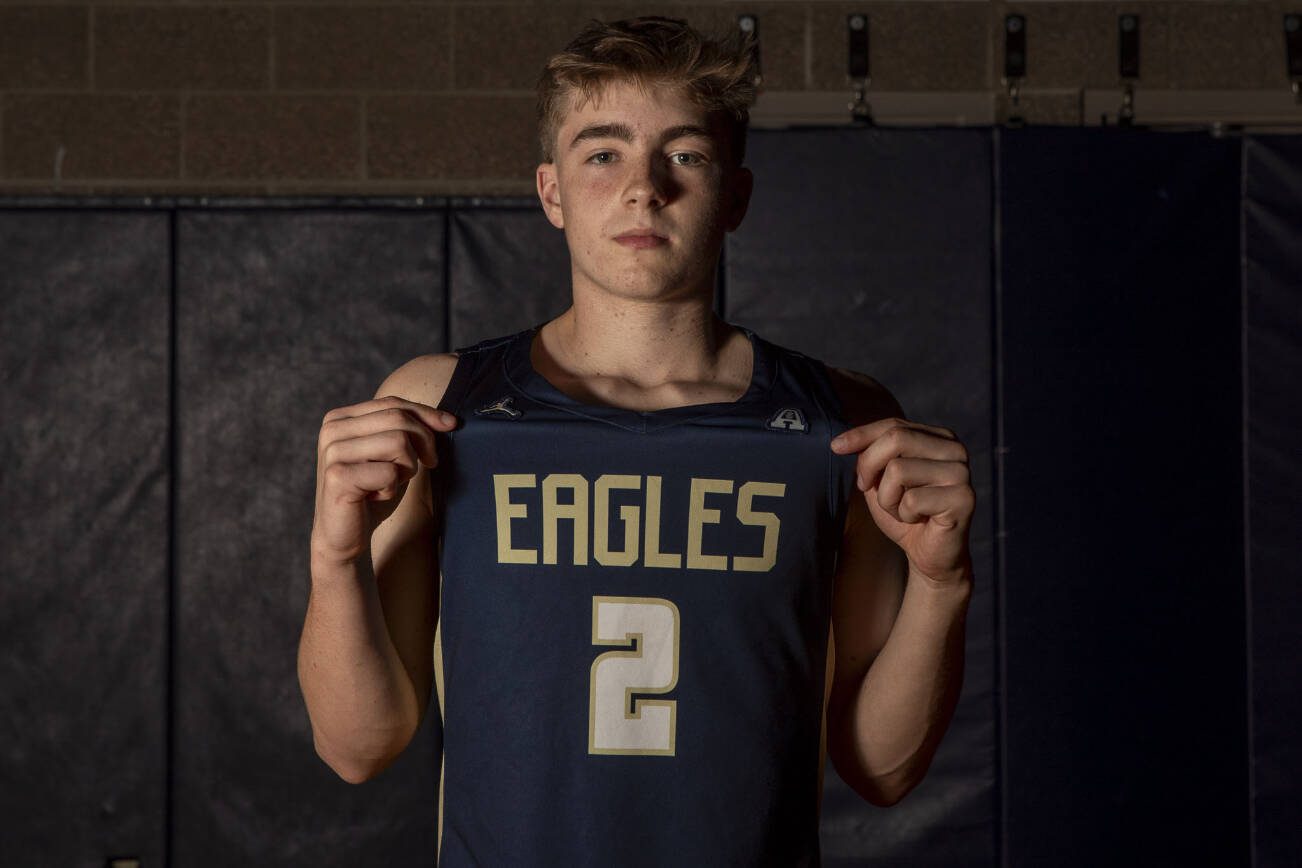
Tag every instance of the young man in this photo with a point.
(665, 566)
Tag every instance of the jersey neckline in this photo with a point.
(520, 372)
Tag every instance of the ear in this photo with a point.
(741, 185)
(549, 193)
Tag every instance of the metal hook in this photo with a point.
(1126, 116)
(857, 70)
(1014, 62)
(860, 111)
(1293, 53)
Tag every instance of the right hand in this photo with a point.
(366, 455)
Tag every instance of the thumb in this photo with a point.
(436, 420)
(439, 420)
(446, 420)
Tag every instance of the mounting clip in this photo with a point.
(748, 24)
(1014, 62)
(1293, 52)
(1128, 66)
(857, 70)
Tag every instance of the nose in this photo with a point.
(648, 180)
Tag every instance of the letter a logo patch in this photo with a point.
(788, 419)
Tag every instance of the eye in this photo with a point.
(693, 159)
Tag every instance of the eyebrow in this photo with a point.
(624, 133)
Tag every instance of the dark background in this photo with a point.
(1109, 318)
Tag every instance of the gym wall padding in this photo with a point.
(1124, 636)
(1272, 280)
(84, 559)
(280, 316)
(876, 256)
(510, 269)
(1070, 296)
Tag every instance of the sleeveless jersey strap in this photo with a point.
(841, 469)
(456, 389)
(453, 395)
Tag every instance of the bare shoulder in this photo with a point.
(863, 399)
(423, 379)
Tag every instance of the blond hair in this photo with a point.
(717, 74)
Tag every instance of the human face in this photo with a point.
(630, 160)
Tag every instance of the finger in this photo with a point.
(946, 505)
(382, 419)
(392, 419)
(391, 475)
(393, 446)
(438, 419)
(904, 443)
(902, 474)
(857, 438)
(365, 480)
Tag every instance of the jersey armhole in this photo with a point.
(451, 400)
(456, 388)
(829, 403)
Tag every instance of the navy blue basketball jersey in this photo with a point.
(633, 617)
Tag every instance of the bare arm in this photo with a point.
(893, 700)
(898, 640)
(365, 655)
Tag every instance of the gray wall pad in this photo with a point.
(1124, 616)
(876, 256)
(281, 316)
(84, 482)
(1272, 263)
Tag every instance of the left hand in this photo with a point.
(916, 482)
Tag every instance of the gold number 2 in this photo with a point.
(619, 720)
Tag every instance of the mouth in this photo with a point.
(640, 241)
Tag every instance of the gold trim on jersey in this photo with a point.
(438, 689)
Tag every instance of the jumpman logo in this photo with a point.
(501, 405)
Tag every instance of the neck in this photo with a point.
(644, 343)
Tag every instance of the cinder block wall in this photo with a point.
(437, 97)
